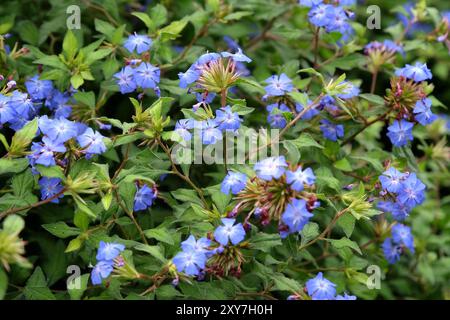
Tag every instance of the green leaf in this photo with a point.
(155, 251)
(145, 19)
(70, 44)
(284, 283)
(173, 30)
(28, 32)
(13, 165)
(347, 223)
(76, 81)
(51, 172)
(87, 98)
(237, 15)
(305, 140)
(77, 292)
(348, 62)
(3, 283)
(343, 164)
(309, 232)
(300, 97)
(13, 224)
(373, 98)
(61, 229)
(158, 14)
(345, 243)
(160, 234)
(265, 242)
(22, 138)
(324, 177)
(292, 154)
(51, 61)
(36, 287)
(74, 244)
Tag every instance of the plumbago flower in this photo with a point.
(107, 144)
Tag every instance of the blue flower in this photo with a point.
(147, 76)
(210, 132)
(229, 232)
(227, 119)
(206, 58)
(59, 130)
(6, 112)
(101, 271)
(182, 128)
(398, 210)
(331, 131)
(320, 288)
(276, 118)
(271, 168)
(234, 181)
(296, 215)
(231, 43)
(321, 14)
(125, 80)
(22, 104)
(108, 251)
(400, 132)
(38, 89)
(308, 115)
(401, 235)
(191, 262)
(239, 56)
(201, 245)
(391, 251)
(43, 153)
(278, 85)
(143, 198)
(206, 97)
(138, 42)
(422, 111)
(50, 187)
(392, 46)
(188, 77)
(310, 3)
(345, 297)
(92, 141)
(412, 191)
(391, 179)
(418, 72)
(299, 178)
(350, 91)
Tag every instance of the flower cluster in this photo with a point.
(138, 73)
(108, 256)
(320, 288)
(278, 89)
(219, 255)
(331, 17)
(408, 101)
(17, 108)
(213, 72)
(394, 246)
(401, 193)
(210, 130)
(279, 191)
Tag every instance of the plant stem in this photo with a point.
(326, 231)
(182, 176)
(33, 205)
(130, 214)
(374, 81)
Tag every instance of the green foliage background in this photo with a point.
(276, 35)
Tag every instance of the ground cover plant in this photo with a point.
(222, 149)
